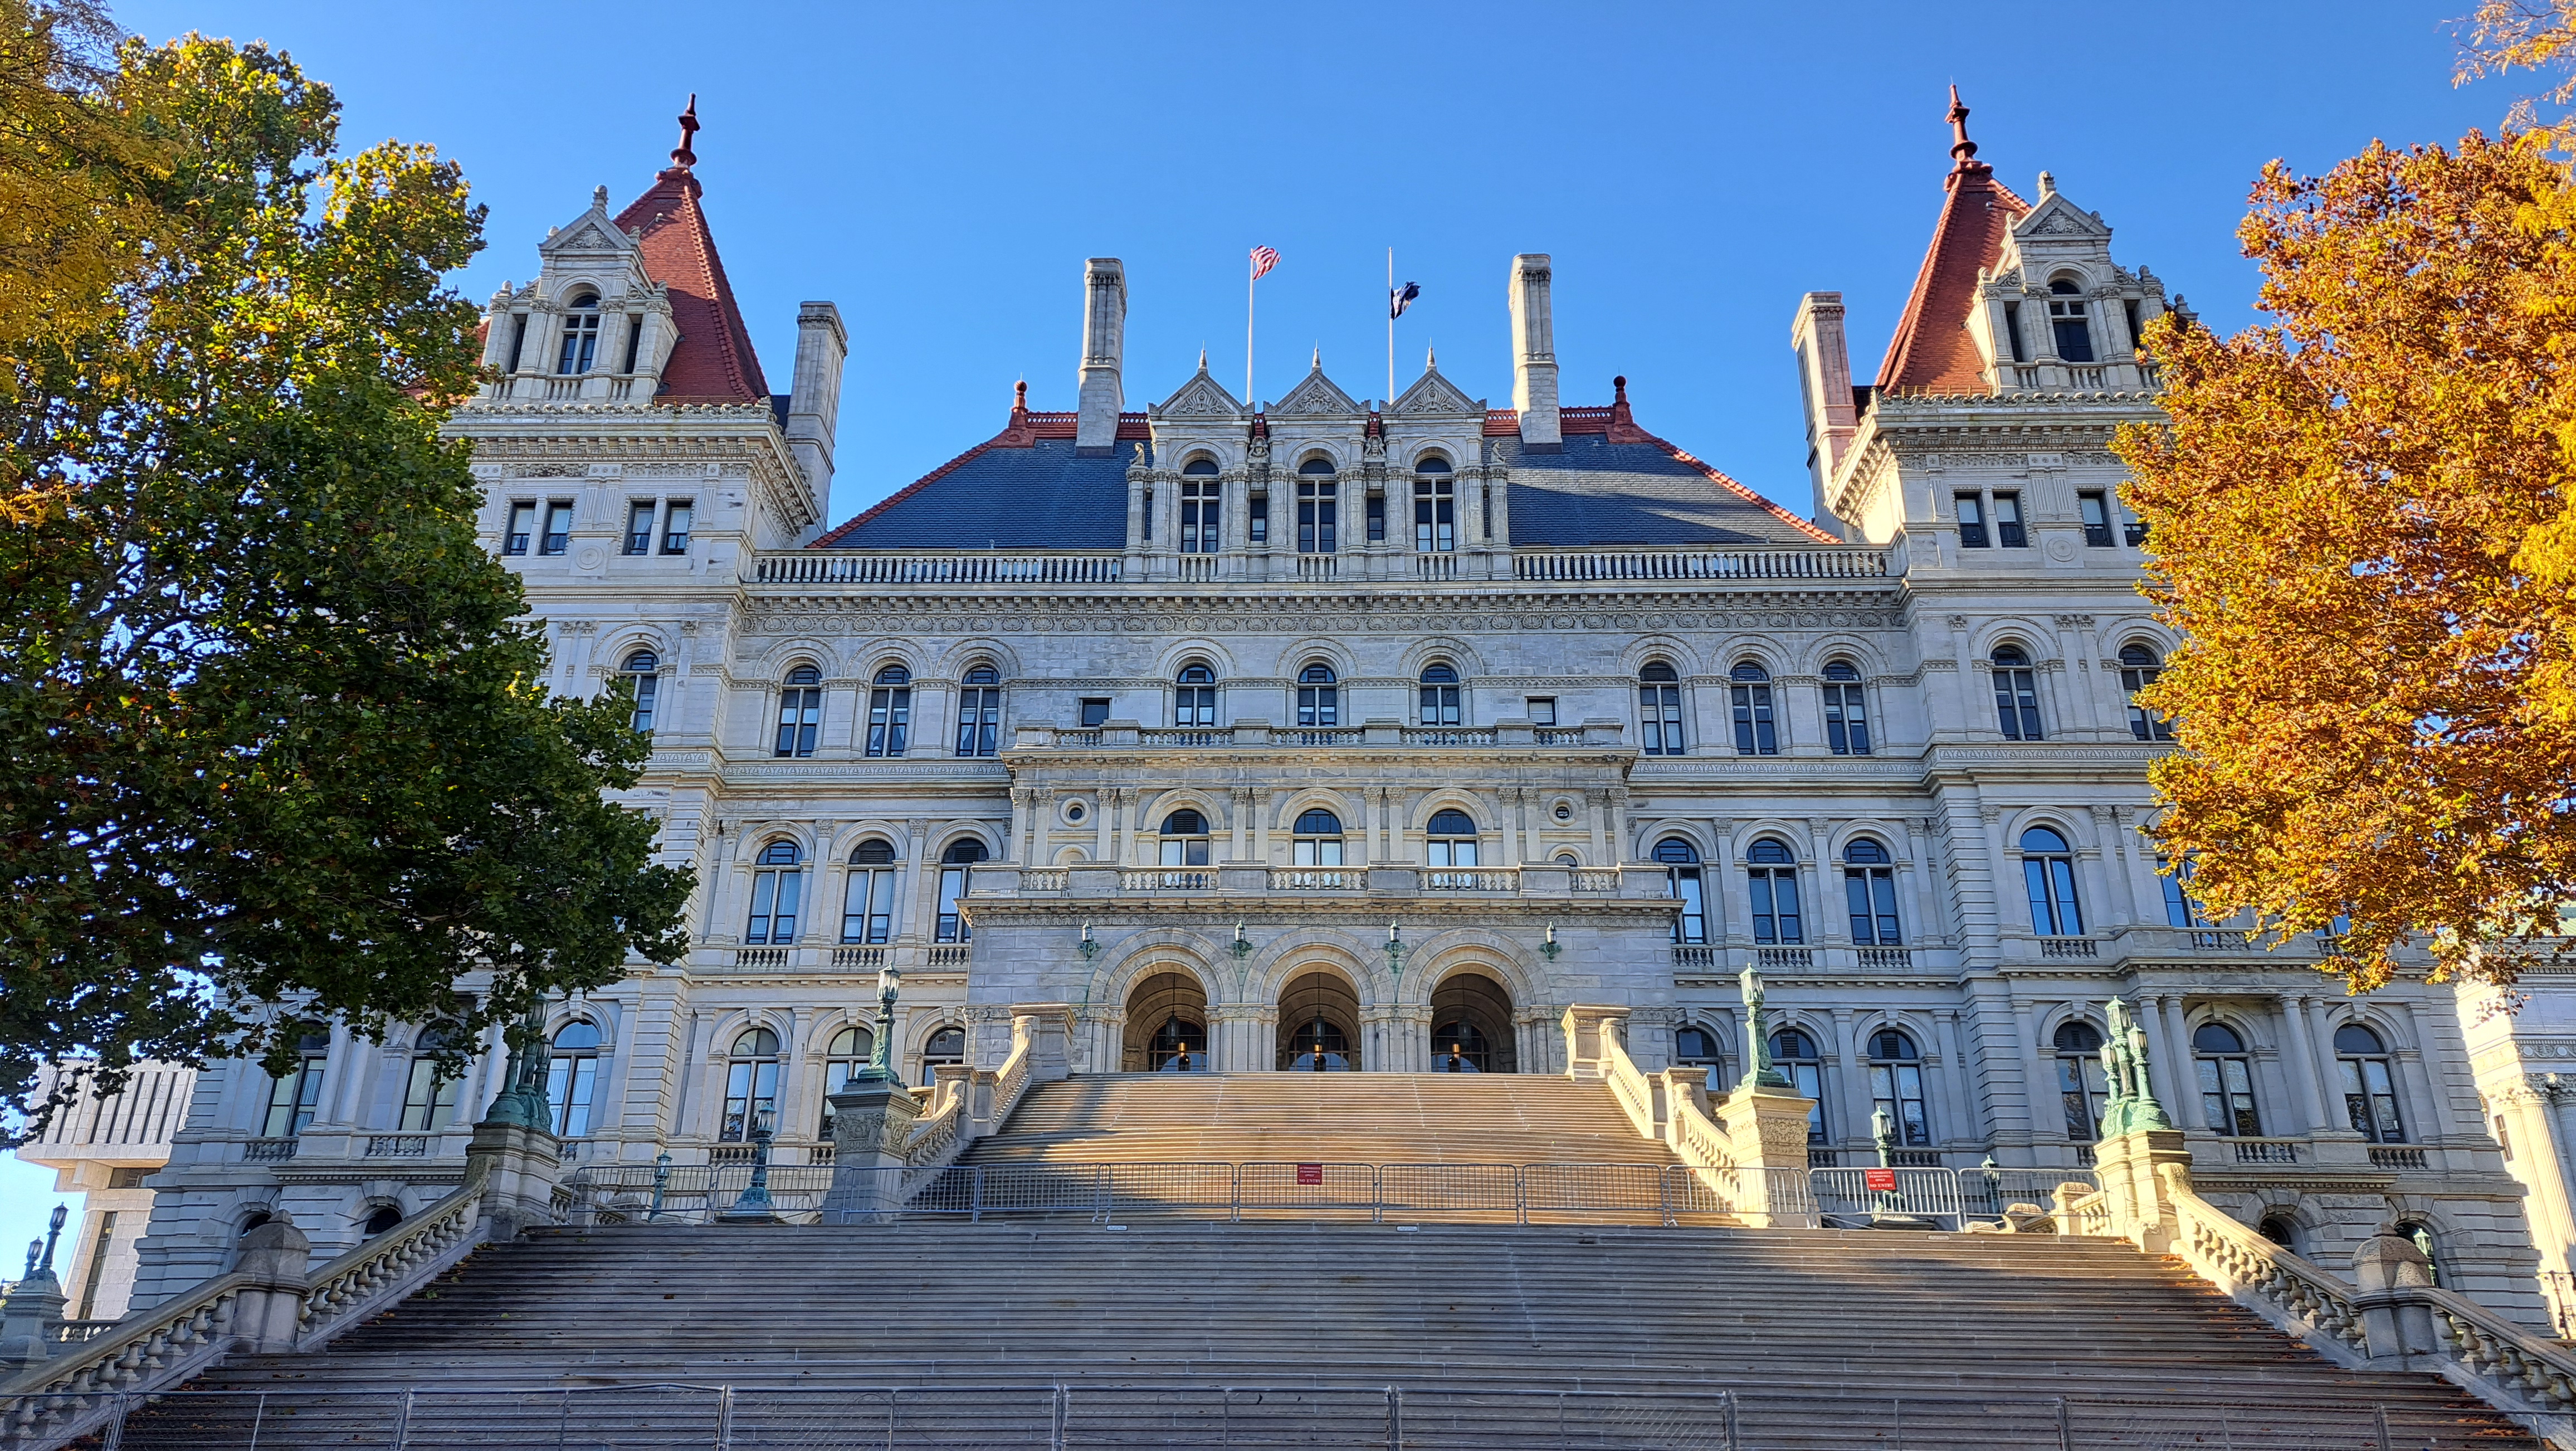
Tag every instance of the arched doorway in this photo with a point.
(1166, 1025)
(1319, 1024)
(1471, 1026)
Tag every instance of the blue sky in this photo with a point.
(941, 171)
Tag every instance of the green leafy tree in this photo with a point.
(277, 743)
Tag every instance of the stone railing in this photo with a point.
(1824, 562)
(1628, 1084)
(2288, 1291)
(823, 567)
(981, 1102)
(359, 1284)
(1261, 735)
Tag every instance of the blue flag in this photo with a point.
(1398, 299)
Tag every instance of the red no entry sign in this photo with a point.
(1310, 1173)
(1879, 1181)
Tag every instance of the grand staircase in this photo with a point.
(1179, 1331)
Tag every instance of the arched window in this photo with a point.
(2048, 875)
(867, 910)
(2369, 1085)
(2016, 695)
(1846, 714)
(945, 1045)
(2226, 1082)
(1869, 890)
(1771, 870)
(890, 712)
(1202, 507)
(954, 865)
(1896, 1085)
(1755, 735)
(1201, 467)
(1185, 839)
(572, 1077)
(1434, 506)
(1659, 708)
(2280, 1230)
(2419, 1234)
(1440, 694)
(1194, 696)
(848, 1053)
(429, 1097)
(643, 677)
(2138, 670)
(1681, 865)
(580, 335)
(2080, 1081)
(1318, 840)
(1317, 515)
(1695, 1047)
(1319, 700)
(385, 1218)
(777, 891)
(1795, 1054)
(751, 1085)
(296, 1097)
(2066, 318)
(1450, 839)
(979, 711)
(800, 711)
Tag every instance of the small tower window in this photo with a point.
(2067, 320)
(581, 335)
(1434, 507)
(1202, 507)
(1317, 512)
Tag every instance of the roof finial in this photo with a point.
(1319, 357)
(1430, 358)
(1202, 357)
(1020, 396)
(1619, 389)
(681, 156)
(1962, 150)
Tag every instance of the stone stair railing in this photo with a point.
(1747, 1150)
(268, 1305)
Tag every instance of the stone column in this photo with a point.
(2163, 1074)
(1856, 1090)
(2186, 1071)
(2303, 1062)
(2330, 1092)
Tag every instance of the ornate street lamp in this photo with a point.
(889, 984)
(1395, 950)
(1548, 947)
(1088, 948)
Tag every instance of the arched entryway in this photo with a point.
(1471, 1026)
(1166, 1025)
(1319, 1014)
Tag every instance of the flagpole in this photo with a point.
(1390, 327)
(1249, 277)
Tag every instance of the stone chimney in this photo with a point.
(814, 396)
(1534, 353)
(1825, 392)
(1104, 337)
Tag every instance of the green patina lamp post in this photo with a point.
(880, 1067)
(2132, 1107)
(1882, 1134)
(1759, 1071)
(522, 1101)
(753, 1204)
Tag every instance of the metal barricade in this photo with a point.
(1562, 1193)
(1848, 1198)
(1306, 1191)
(1988, 1194)
(1489, 1192)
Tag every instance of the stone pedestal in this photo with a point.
(29, 1319)
(1584, 1024)
(1048, 1030)
(2397, 1322)
(524, 1165)
(2130, 1168)
(276, 1256)
(1766, 1130)
(871, 1120)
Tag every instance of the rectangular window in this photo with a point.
(634, 339)
(889, 720)
(1149, 516)
(523, 522)
(428, 1099)
(1435, 527)
(979, 720)
(580, 341)
(1316, 511)
(518, 340)
(2180, 909)
(1755, 732)
(1775, 906)
(2068, 319)
(1972, 521)
(952, 923)
(2227, 1097)
(1846, 720)
(2097, 519)
(1200, 516)
(774, 899)
(2012, 332)
(800, 718)
(558, 527)
(2008, 531)
(1260, 519)
(1542, 710)
(1659, 712)
(1095, 712)
(1693, 923)
(675, 527)
(2133, 530)
(867, 914)
(1377, 518)
(570, 1084)
(294, 1099)
(1870, 893)
(639, 526)
(1194, 705)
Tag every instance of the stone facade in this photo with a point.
(1604, 728)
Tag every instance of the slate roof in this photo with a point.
(1933, 351)
(713, 358)
(1604, 492)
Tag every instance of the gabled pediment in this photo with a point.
(2057, 219)
(590, 232)
(1315, 397)
(1201, 397)
(1432, 394)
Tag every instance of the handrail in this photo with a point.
(2293, 1294)
(1628, 1085)
(349, 1289)
(1696, 1139)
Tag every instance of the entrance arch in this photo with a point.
(1166, 1025)
(1471, 1025)
(1319, 1011)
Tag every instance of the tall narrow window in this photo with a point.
(1440, 694)
(1377, 518)
(1202, 507)
(2012, 332)
(675, 526)
(1147, 514)
(2139, 668)
(639, 526)
(2048, 874)
(955, 865)
(1186, 842)
(296, 1097)
(1450, 839)
(867, 912)
(429, 1096)
(2096, 509)
(2369, 1085)
(1434, 507)
(2180, 909)
(1896, 1084)
(1659, 708)
(580, 335)
(1794, 1053)
(2133, 530)
(2079, 1080)
(1319, 699)
(523, 522)
(2008, 530)
(1755, 733)
(1771, 871)
(2067, 320)
(943, 1046)
(642, 671)
(2129, 315)
(800, 711)
(1972, 521)
(634, 340)
(572, 1078)
(1316, 514)
(751, 1086)
(1681, 867)
(890, 712)
(979, 712)
(1318, 840)
(850, 1050)
(558, 527)
(2226, 1081)
(1257, 518)
(1846, 712)
(1869, 890)
(1194, 696)
(777, 891)
(2016, 695)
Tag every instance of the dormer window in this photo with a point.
(581, 335)
(1317, 509)
(1434, 507)
(2067, 319)
(1201, 499)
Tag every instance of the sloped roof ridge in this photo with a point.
(1930, 348)
(832, 537)
(1720, 478)
(714, 357)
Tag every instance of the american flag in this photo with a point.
(1263, 259)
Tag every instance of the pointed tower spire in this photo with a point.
(682, 158)
(1319, 358)
(1962, 150)
(1430, 358)
(1202, 357)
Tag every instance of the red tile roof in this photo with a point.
(1933, 351)
(713, 360)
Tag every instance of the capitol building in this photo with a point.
(1388, 736)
